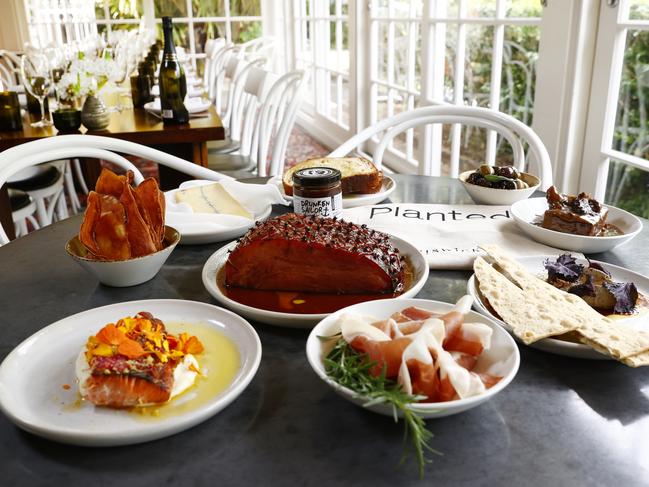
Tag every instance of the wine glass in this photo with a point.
(35, 72)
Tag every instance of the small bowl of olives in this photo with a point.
(498, 185)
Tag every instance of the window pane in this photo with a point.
(124, 9)
(180, 34)
(208, 8)
(99, 10)
(245, 31)
(628, 188)
(170, 8)
(481, 8)
(639, 10)
(207, 30)
(247, 8)
(477, 72)
(631, 132)
(520, 53)
(523, 8)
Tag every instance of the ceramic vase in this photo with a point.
(94, 115)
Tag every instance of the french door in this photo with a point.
(616, 150)
(371, 59)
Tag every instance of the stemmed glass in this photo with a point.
(35, 72)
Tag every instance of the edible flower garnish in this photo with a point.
(141, 336)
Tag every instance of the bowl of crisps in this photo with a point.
(126, 272)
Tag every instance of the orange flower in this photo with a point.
(111, 335)
(193, 346)
(131, 349)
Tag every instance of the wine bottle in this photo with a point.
(171, 79)
(141, 89)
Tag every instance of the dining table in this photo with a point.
(187, 141)
(562, 421)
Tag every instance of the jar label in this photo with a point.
(167, 113)
(330, 206)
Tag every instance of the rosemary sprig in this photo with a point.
(352, 370)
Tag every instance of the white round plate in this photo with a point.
(202, 228)
(32, 376)
(294, 320)
(193, 105)
(351, 200)
(527, 211)
(501, 359)
(561, 347)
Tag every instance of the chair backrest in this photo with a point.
(9, 68)
(248, 87)
(213, 49)
(276, 121)
(91, 146)
(514, 131)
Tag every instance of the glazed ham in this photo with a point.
(314, 254)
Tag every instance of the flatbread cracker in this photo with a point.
(637, 360)
(600, 333)
(530, 320)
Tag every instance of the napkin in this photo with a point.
(256, 198)
(449, 235)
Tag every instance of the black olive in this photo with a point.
(506, 172)
(474, 177)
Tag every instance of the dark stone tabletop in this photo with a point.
(562, 421)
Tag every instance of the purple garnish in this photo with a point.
(625, 294)
(565, 268)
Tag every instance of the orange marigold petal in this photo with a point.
(111, 335)
(193, 346)
(131, 349)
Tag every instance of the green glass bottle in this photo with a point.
(171, 79)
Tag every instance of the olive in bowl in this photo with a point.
(493, 185)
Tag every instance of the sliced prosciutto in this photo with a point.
(429, 355)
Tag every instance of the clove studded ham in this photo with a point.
(315, 254)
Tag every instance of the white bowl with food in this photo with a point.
(284, 305)
(499, 358)
(128, 272)
(495, 196)
(529, 213)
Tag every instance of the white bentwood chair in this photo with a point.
(265, 108)
(513, 130)
(95, 147)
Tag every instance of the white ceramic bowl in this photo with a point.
(527, 211)
(493, 196)
(298, 320)
(123, 273)
(501, 359)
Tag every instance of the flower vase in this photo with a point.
(94, 115)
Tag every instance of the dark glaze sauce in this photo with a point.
(303, 303)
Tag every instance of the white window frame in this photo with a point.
(607, 70)
(148, 10)
(363, 22)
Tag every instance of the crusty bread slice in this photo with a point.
(359, 175)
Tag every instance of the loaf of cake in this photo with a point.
(359, 175)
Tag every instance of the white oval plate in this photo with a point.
(193, 105)
(351, 200)
(525, 212)
(560, 347)
(502, 358)
(294, 320)
(193, 89)
(202, 228)
(32, 375)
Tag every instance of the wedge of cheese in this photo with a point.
(212, 198)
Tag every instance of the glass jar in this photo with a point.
(317, 191)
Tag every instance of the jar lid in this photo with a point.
(316, 176)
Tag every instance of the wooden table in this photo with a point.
(561, 422)
(188, 142)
